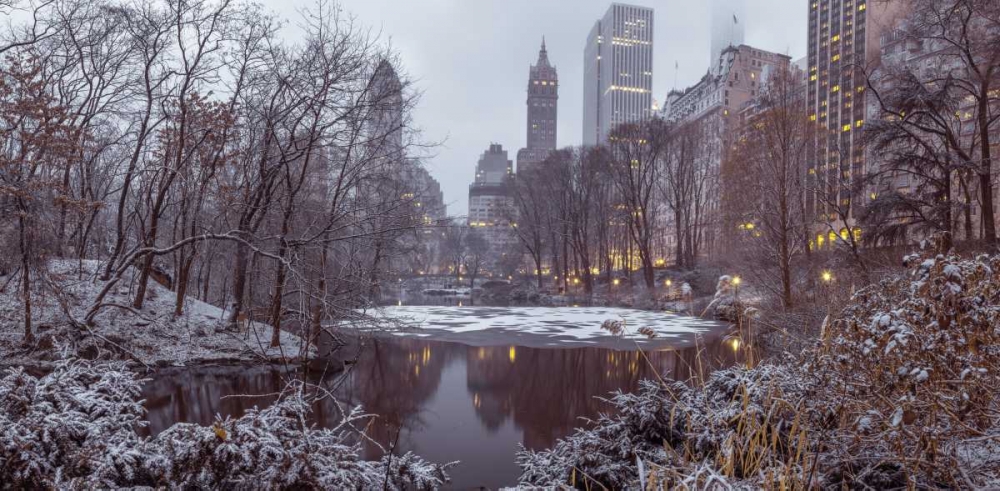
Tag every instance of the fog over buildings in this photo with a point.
(728, 25)
(470, 60)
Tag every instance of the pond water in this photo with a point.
(473, 401)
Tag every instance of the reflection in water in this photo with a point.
(445, 401)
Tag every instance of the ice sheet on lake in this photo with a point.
(576, 323)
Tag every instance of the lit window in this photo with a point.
(836, 88)
(859, 123)
(862, 7)
(847, 127)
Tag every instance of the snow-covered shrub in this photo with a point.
(913, 368)
(740, 423)
(901, 391)
(76, 424)
(76, 428)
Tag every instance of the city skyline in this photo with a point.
(472, 75)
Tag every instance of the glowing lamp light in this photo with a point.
(669, 283)
(737, 280)
(616, 281)
(827, 276)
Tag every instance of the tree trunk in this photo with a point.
(985, 174)
(140, 291)
(239, 284)
(279, 291)
(181, 285)
(29, 337)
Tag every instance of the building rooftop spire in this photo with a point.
(543, 55)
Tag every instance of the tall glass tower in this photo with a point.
(618, 71)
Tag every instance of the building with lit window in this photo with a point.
(543, 102)
(618, 71)
(711, 109)
(491, 200)
(929, 59)
(405, 195)
(844, 37)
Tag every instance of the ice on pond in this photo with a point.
(577, 325)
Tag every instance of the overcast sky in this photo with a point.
(470, 59)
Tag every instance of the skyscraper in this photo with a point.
(727, 17)
(386, 126)
(844, 35)
(543, 99)
(618, 71)
(490, 198)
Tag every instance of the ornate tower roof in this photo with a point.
(543, 70)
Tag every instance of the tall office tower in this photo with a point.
(543, 99)
(728, 27)
(843, 36)
(618, 71)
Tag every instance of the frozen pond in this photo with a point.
(546, 326)
(467, 384)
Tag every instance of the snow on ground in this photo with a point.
(155, 338)
(542, 325)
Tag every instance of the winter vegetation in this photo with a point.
(160, 158)
(180, 184)
(898, 392)
(76, 428)
(153, 336)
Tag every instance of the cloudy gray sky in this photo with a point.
(470, 59)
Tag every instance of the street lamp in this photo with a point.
(827, 276)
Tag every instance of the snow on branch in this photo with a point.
(76, 428)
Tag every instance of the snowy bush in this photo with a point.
(900, 392)
(76, 428)
(913, 366)
(740, 422)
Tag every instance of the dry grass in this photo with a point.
(897, 391)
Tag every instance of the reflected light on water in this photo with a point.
(445, 401)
